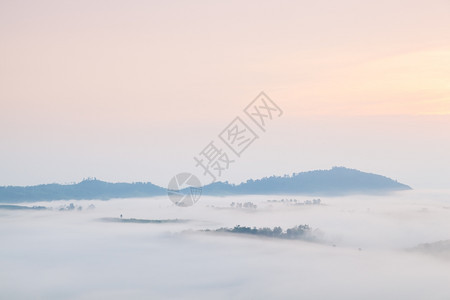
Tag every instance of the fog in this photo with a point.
(365, 248)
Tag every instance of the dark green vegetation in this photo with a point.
(294, 233)
(337, 181)
(120, 220)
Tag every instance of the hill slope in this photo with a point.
(337, 181)
(87, 189)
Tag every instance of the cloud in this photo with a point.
(71, 255)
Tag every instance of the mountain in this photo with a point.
(337, 181)
(87, 189)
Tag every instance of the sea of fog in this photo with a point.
(365, 247)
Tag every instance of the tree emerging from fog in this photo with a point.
(297, 232)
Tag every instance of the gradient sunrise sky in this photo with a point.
(132, 90)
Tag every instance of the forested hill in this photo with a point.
(337, 181)
(87, 189)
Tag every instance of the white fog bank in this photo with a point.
(363, 250)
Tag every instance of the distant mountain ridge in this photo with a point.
(337, 181)
(86, 189)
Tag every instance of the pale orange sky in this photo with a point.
(80, 78)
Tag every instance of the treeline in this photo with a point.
(88, 189)
(297, 232)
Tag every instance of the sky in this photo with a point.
(132, 91)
